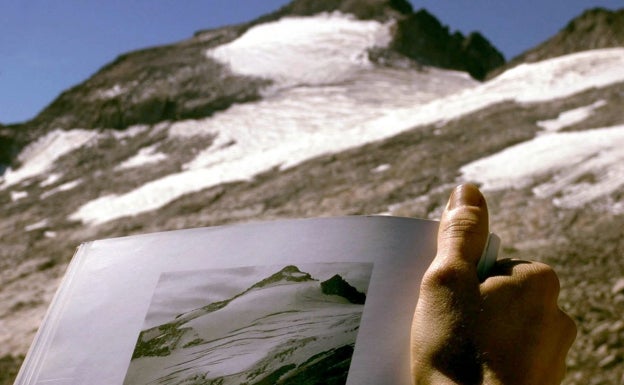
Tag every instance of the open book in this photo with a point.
(310, 301)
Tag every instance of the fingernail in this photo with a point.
(465, 195)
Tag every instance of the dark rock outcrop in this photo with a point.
(421, 37)
(336, 285)
(9, 146)
(330, 368)
(594, 29)
(9, 366)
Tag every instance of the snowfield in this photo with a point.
(145, 156)
(582, 166)
(323, 49)
(571, 117)
(300, 123)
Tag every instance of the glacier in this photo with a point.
(300, 123)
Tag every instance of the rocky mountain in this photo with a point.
(302, 113)
(287, 275)
(299, 333)
(421, 37)
(178, 81)
(381, 10)
(594, 29)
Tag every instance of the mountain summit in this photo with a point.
(337, 285)
(381, 10)
(178, 81)
(422, 37)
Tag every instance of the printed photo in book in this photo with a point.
(294, 324)
(292, 302)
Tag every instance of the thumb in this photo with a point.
(463, 230)
(449, 301)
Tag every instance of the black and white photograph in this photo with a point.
(275, 324)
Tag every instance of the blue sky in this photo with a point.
(47, 46)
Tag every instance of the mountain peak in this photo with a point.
(594, 29)
(337, 285)
(178, 81)
(422, 37)
(362, 9)
(289, 273)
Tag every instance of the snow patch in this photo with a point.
(37, 226)
(50, 180)
(17, 195)
(112, 92)
(322, 49)
(568, 118)
(528, 83)
(381, 168)
(39, 156)
(580, 166)
(562, 76)
(184, 129)
(145, 156)
(130, 132)
(64, 187)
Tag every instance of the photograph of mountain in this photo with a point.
(252, 325)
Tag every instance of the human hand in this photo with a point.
(506, 330)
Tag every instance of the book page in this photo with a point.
(326, 300)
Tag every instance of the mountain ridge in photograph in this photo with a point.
(279, 330)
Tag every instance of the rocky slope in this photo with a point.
(595, 28)
(373, 131)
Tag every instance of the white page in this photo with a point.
(90, 332)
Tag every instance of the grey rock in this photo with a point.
(618, 287)
(617, 326)
(608, 361)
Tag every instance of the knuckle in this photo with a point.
(544, 279)
(447, 275)
(461, 221)
(569, 327)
